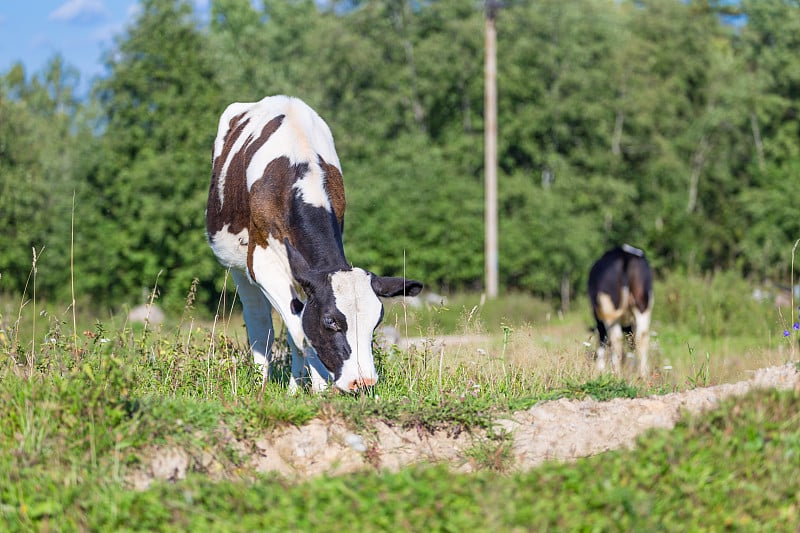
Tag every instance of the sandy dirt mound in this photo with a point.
(557, 430)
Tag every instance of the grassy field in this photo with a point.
(81, 405)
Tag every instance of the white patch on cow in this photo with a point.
(355, 298)
(607, 311)
(230, 249)
(272, 273)
(302, 137)
(311, 188)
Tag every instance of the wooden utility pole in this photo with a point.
(490, 149)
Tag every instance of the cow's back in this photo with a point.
(282, 144)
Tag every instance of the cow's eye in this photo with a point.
(330, 323)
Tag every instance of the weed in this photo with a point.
(793, 335)
(603, 388)
(493, 453)
(699, 376)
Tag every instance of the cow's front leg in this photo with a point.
(306, 366)
(273, 276)
(298, 368)
(320, 376)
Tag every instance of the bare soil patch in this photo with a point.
(558, 430)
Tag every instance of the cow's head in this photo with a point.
(340, 314)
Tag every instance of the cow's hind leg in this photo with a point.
(258, 318)
(642, 339)
(616, 338)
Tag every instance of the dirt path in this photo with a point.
(560, 430)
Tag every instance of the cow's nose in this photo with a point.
(361, 383)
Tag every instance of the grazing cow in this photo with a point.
(621, 294)
(275, 217)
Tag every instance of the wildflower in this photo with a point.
(786, 333)
(796, 326)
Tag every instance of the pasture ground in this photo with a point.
(115, 426)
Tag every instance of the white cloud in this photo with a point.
(80, 11)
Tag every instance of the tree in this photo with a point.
(39, 148)
(160, 106)
(768, 47)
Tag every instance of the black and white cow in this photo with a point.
(275, 217)
(621, 294)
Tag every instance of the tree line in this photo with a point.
(666, 124)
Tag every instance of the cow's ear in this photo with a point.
(388, 287)
(300, 269)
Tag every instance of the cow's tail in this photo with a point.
(628, 249)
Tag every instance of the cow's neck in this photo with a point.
(316, 234)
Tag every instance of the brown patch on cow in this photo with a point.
(334, 188)
(235, 210)
(639, 294)
(235, 188)
(270, 198)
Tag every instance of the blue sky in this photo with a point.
(33, 31)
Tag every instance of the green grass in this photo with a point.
(734, 468)
(81, 408)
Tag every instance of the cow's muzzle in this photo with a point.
(361, 383)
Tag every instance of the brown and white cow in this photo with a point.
(275, 217)
(621, 294)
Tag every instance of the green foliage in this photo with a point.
(442, 250)
(772, 221)
(715, 306)
(653, 123)
(147, 191)
(40, 164)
